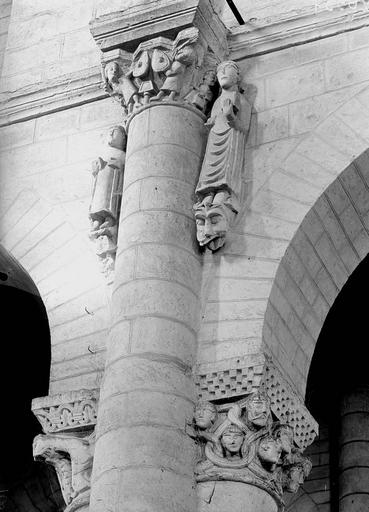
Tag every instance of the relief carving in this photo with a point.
(244, 443)
(72, 456)
(219, 187)
(163, 70)
(107, 172)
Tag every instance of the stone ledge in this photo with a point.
(52, 96)
(76, 410)
(240, 376)
(247, 42)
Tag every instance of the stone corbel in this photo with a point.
(68, 441)
(71, 455)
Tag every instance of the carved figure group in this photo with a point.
(220, 182)
(161, 69)
(245, 444)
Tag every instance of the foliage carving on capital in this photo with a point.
(244, 443)
(107, 172)
(220, 186)
(71, 455)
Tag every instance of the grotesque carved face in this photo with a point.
(258, 411)
(232, 439)
(228, 75)
(212, 225)
(205, 414)
(269, 450)
(112, 71)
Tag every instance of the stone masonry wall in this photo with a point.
(310, 122)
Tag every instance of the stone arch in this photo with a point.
(331, 241)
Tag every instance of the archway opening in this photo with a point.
(24, 375)
(338, 371)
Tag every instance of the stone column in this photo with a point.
(143, 459)
(354, 452)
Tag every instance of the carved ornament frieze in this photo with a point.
(65, 412)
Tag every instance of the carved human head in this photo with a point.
(210, 77)
(112, 72)
(213, 216)
(269, 451)
(205, 414)
(232, 439)
(228, 74)
(258, 414)
(296, 473)
(284, 434)
(116, 137)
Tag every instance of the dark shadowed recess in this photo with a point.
(341, 360)
(25, 365)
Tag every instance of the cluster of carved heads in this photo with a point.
(244, 443)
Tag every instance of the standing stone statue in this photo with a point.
(107, 171)
(220, 182)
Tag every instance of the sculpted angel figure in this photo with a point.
(220, 182)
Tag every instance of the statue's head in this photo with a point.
(210, 77)
(269, 451)
(295, 474)
(284, 434)
(205, 414)
(112, 71)
(213, 216)
(258, 414)
(228, 74)
(117, 137)
(232, 439)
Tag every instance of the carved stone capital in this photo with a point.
(238, 377)
(66, 412)
(244, 442)
(71, 455)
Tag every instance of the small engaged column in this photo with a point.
(144, 460)
(354, 452)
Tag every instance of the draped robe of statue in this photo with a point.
(224, 156)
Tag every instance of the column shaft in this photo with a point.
(144, 459)
(354, 452)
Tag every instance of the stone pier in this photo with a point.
(144, 460)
